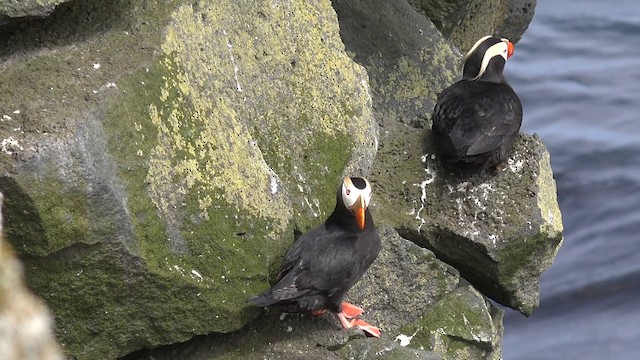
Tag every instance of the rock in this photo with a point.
(156, 170)
(364, 349)
(20, 8)
(412, 296)
(464, 325)
(25, 323)
(408, 61)
(464, 22)
(517, 19)
(500, 232)
(404, 282)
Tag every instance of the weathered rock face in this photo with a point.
(517, 19)
(20, 8)
(423, 306)
(500, 231)
(25, 323)
(465, 21)
(154, 170)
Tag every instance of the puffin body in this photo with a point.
(327, 261)
(476, 120)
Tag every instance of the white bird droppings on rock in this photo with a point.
(405, 340)
(196, 275)
(9, 145)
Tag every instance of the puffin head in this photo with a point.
(356, 195)
(486, 58)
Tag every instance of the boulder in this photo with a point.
(501, 232)
(423, 307)
(26, 326)
(465, 21)
(155, 171)
(20, 8)
(517, 19)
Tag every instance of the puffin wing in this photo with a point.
(448, 110)
(338, 268)
(317, 263)
(498, 114)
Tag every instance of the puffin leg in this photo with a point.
(363, 325)
(351, 311)
(346, 324)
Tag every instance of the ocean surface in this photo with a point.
(577, 71)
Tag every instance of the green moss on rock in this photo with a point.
(192, 139)
(460, 326)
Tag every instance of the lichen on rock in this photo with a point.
(174, 182)
(26, 325)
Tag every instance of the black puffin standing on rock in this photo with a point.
(476, 120)
(328, 260)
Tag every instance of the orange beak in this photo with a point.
(510, 49)
(358, 211)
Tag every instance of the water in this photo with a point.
(577, 71)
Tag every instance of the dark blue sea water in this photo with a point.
(577, 71)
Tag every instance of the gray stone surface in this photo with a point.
(26, 326)
(21, 8)
(465, 21)
(421, 304)
(517, 20)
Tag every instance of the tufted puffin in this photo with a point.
(476, 120)
(328, 260)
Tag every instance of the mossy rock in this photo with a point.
(25, 322)
(501, 232)
(162, 163)
(464, 325)
(400, 290)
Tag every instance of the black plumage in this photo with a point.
(476, 120)
(328, 260)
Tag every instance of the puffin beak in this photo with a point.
(510, 49)
(358, 211)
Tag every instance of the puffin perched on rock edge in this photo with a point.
(476, 120)
(328, 260)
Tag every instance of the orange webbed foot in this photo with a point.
(351, 311)
(367, 328)
(363, 325)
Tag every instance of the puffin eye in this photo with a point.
(348, 192)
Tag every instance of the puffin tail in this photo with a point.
(262, 300)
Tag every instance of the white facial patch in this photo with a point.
(350, 193)
(499, 49)
(474, 47)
